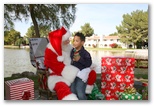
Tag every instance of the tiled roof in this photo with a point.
(93, 37)
(111, 37)
(98, 37)
(105, 37)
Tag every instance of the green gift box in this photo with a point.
(126, 96)
(96, 94)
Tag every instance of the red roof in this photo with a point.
(93, 37)
(111, 37)
(98, 37)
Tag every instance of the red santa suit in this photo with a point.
(90, 82)
(61, 75)
(57, 59)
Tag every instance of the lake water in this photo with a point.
(97, 55)
(18, 60)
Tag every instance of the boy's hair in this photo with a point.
(79, 34)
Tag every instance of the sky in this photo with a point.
(103, 18)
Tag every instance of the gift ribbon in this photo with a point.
(26, 95)
(76, 53)
(130, 90)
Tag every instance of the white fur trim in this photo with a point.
(67, 58)
(89, 89)
(53, 79)
(69, 73)
(60, 58)
(66, 36)
(50, 71)
(66, 53)
(70, 97)
(67, 48)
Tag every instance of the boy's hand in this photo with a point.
(76, 57)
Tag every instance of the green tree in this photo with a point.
(114, 34)
(44, 30)
(10, 37)
(87, 30)
(6, 38)
(134, 27)
(52, 15)
(30, 32)
(19, 41)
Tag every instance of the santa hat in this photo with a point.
(56, 37)
(90, 82)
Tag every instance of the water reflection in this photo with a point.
(16, 61)
(96, 56)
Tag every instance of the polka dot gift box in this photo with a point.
(130, 94)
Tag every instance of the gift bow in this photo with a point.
(26, 95)
(130, 90)
(76, 53)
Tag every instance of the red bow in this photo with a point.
(26, 95)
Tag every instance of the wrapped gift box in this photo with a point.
(126, 96)
(19, 89)
(117, 73)
(130, 93)
(96, 94)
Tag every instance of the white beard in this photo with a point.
(66, 50)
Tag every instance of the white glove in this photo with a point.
(83, 74)
(93, 66)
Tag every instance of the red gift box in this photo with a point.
(116, 74)
(19, 89)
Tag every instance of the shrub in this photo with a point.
(113, 45)
(94, 46)
(145, 93)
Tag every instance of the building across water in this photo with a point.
(106, 42)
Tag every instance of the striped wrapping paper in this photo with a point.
(19, 89)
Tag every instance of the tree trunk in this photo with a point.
(34, 20)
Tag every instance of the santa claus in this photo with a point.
(57, 60)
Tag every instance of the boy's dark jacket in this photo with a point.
(84, 61)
